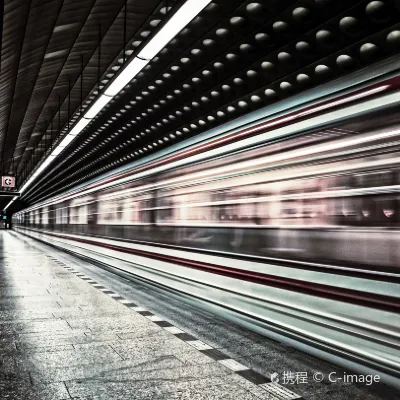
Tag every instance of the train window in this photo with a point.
(37, 217)
(165, 211)
(145, 211)
(120, 209)
(58, 216)
(375, 179)
(45, 215)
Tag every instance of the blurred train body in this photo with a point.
(299, 237)
(300, 203)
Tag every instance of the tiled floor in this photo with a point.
(61, 338)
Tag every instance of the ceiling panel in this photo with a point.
(235, 57)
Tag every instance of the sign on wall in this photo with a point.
(8, 181)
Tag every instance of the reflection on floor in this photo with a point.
(66, 332)
(63, 338)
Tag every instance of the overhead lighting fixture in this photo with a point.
(45, 164)
(175, 24)
(13, 199)
(126, 75)
(97, 106)
(79, 126)
(66, 141)
(56, 151)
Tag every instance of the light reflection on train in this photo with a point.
(311, 203)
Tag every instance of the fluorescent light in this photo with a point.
(14, 198)
(126, 75)
(27, 183)
(176, 23)
(97, 106)
(66, 141)
(45, 164)
(56, 151)
(80, 125)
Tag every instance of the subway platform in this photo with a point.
(69, 330)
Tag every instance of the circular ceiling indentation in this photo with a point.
(303, 78)
(155, 22)
(285, 86)
(323, 36)
(377, 11)
(144, 34)
(208, 42)
(254, 8)
(222, 32)
(322, 69)
(368, 50)
(245, 47)
(349, 25)
(255, 99)
(237, 21)
(262, 37)
(344, 61)
(232, 57)
(303, 47)
(211, 7)
(270, 93)
(393, 37)
(267, 66)
(164, 10)
(300, 13)
(280, 26)
(284, 56)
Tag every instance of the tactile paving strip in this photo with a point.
(276, 390)
(279, 391)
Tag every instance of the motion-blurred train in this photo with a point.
(334, 199)
(298, 236)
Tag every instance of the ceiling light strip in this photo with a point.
(189, 10)
(175, 24)
(14, 198)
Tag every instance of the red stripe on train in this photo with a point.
(377, 301)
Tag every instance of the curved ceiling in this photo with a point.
(236, 56)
